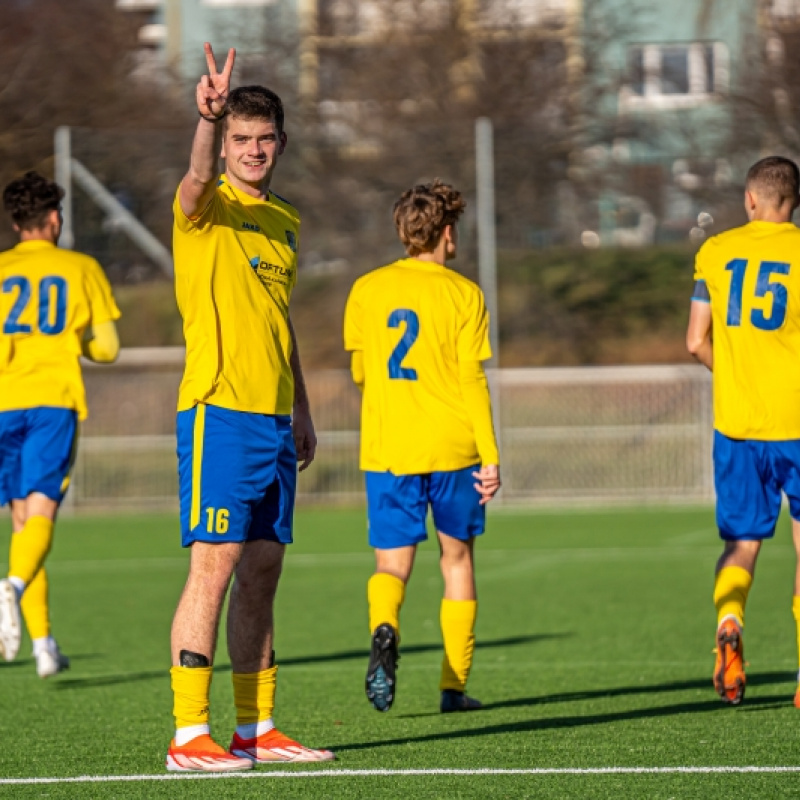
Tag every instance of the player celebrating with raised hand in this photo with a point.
(243, 419)
(55, 305)
(747, 293)
(418, 333)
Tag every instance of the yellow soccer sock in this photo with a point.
(796, 613)
(35, 608)
(458, 626)
(29, 548)
(385, 595)
(191, 687)
(731, 587)
(254, 695)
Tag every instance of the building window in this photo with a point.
(238, 3)
(675, 75)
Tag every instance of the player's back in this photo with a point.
(753, 278)
(48, 297)
(415, 321)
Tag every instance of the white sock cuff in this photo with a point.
(251, 730)
(185, 735)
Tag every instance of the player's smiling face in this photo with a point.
(251, 148)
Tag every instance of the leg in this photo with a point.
(250, 617)
(458, 613)
(31, 539)
(796, 596)
(397, 508)
(194, 640)
(734, 576)
(196, 621)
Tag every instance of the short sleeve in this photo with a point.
(98, 290)
(194, 225)
(354, 320)
(473, 336)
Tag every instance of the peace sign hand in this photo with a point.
(212, 91)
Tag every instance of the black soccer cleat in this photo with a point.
(381, 679)
(458, 701)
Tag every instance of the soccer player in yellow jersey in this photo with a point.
(745, 327)
(243, 419)
(55, 305)
(418, 333)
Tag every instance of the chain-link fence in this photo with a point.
(582, 435)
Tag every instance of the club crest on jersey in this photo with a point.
(250, 226)
(291, 239)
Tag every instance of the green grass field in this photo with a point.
(595, 632)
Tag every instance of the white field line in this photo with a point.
(380, 773)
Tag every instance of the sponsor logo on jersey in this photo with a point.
(249, 226)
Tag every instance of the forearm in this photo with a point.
(300, 393)
(200, 181)
(102, 343)
(704, 353)
(478, 402)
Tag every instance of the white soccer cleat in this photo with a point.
(10, 621)
(50, 660)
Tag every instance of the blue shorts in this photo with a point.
(397, 507)
(37, 451)
(749, 476)
(237, 474)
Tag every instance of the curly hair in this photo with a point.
(422, 213)
(255, 102)
(776, 178)
(30, 199)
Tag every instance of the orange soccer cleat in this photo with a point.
(729, 678)
(203, 754)
(273, 747)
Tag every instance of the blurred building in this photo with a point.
(658, 150)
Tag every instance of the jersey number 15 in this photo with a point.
(765, 285)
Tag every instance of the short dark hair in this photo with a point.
(776, 178)
(422, 213)
(30, 199)
(255, 102)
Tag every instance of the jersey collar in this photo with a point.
(34, 244)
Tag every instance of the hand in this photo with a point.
(489, 482)
(212, 91)
(305, 439)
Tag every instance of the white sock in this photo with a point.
(251, 730)
(42, 644)
(185, 735)
(18, 584)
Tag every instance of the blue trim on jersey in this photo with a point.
(749, 476)
(37, 451)
(701, 293)
(397, 506)
(282, 199)
(243, 467)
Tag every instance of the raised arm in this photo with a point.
(199, 183)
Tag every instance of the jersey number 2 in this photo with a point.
(47, 326)
(396, 369)
(764, 286)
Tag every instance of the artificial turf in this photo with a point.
(595, 631)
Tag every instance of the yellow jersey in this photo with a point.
(235, 268)
(414, 321)
(48, 299)
(752, 275)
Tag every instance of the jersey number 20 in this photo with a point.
(396, 369)
(765, 285)
(52, 291)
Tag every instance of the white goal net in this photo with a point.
(568, 435)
